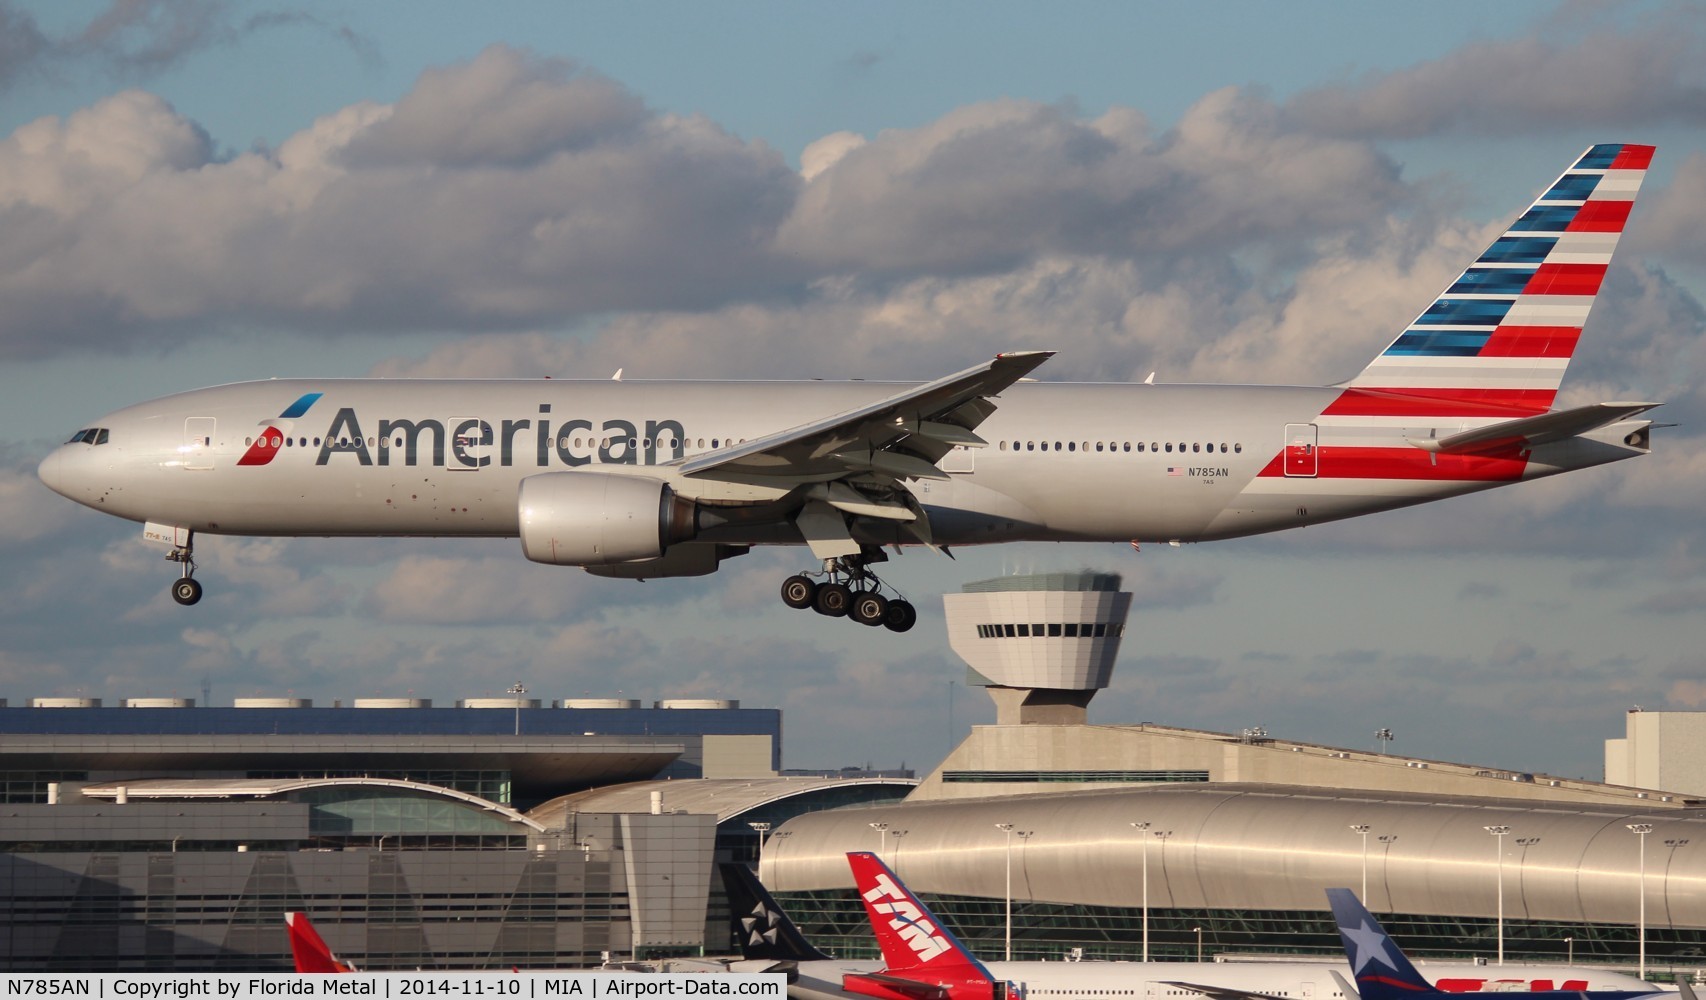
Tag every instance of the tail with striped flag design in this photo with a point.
(1497, 341)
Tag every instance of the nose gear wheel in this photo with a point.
(186, 590)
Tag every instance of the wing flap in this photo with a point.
(1542, 429)
(926, 421)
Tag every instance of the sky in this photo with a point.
(200, 192)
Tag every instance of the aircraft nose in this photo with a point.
(55, 472)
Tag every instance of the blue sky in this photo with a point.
(200, 192)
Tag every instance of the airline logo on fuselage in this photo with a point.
(271, 438)
(906, 919)
(475, 443)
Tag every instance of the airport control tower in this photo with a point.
(1042, 645)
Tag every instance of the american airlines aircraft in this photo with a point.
(923, 960)
(645, 479)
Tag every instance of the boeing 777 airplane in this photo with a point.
(645, 479)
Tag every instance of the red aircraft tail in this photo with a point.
(923, 959)
(309, 949)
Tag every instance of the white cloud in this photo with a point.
(1602, 77)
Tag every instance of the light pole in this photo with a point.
(882, 839)
(1522, 871)
(518, 690)
(1007, 894)
(1570, 951)
(1641, 830)
(1361, 830)
(1499, 833)
(763, 831)
(897, 835)
(1199, 945)
(1386, 842)
(1141, 828)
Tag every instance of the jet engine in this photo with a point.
(596, 519)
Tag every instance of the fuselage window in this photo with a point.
(1169, 447)
(1238, 449)
(1030, 446)
(316, 442)
(714, 443)
(1072, 446)
(1003, 446)
(1057, 446)
(289, 442)
(1045, 446)
(1196, 447)
(1098, 446)
(1139, 446)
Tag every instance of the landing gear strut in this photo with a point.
(850, 590)
(186, 590)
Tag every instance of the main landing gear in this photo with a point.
(186, 590)
(858, 598)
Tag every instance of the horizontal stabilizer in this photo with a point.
(914, 988)
(1547, 427)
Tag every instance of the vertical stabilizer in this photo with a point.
(1381, 971)
(910, 936)
(308, 949)
(1500, 336)
(762, 928)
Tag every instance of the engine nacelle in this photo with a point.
(595, 519)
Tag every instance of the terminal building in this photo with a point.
(164, 837)
(502, 833)
(1237, 835)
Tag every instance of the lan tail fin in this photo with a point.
(1381, 971)
(763, 930)
(308, 949)
(1496, 342)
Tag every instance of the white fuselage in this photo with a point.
(1064, 461)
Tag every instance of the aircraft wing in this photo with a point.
(901, 437)
(1535, 430)
(1222, 992)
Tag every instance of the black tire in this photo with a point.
(868, 608)
(900, 616)
(186, 591)
(799, 592)
(832, 600)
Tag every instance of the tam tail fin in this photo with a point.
(308, 949)
(1498, 339)
(759, 924)
(911, 938)
(1381, 971)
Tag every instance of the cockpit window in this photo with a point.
(89, 435)
(78, 437)
(100, 435)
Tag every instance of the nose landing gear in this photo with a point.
(186, 590)
(858, 598)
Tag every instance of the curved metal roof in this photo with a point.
(260, 788)
(725, 798)
(1270, 847)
